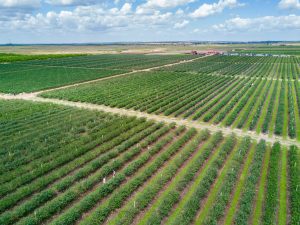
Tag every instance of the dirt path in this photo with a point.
(159, 118)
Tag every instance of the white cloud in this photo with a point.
(179, 12)
(181, 24)
(71, 2)
(152, 5)
(289, 4)
(167, 3)
(87, 18)
(267, 23)
(19, 3)
(211, 9)
(126, 8)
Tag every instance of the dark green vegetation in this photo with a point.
(275, 49)
(8, 57)
(240, 92)
(43, 74)
(294, 180)
(61, 165)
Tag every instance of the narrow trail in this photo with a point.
(159, 118)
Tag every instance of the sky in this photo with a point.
(90, 21)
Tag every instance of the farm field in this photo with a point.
(34, 75)
(254, 66)
(281, 50)
(62, 165)
(9, 57)
(236, 92)
(132, 149)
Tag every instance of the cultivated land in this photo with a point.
(37, 75)
(229, 91)
(166, 140)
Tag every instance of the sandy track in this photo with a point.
(160, 118)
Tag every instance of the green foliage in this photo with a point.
(292, 122)
(294, 179)
(189, 210)
(249, 192)
(270, 110)
(9, 57)
(218, 208)
(280, 110)
(34, 75)
(172, 196)
(272, 189)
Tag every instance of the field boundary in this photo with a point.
(159, 118)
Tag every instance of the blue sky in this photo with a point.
(70, 21)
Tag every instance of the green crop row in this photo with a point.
(116, 199)
(189, 209)
(142, 199)
(294, 179)
(217, 209)
(151, 133)
(272, 189)
(162, 207)
(246, 200)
